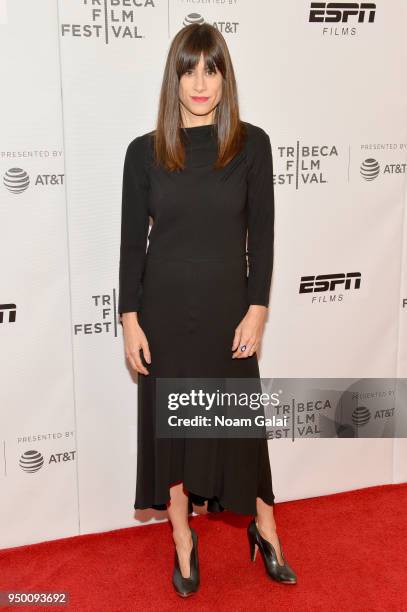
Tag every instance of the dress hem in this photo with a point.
(215, 504)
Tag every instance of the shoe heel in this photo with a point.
(253, 551)
(253, 546)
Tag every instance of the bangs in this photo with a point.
(200, 41)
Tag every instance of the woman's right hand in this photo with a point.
(134, 340)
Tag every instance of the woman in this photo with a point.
(187, 306)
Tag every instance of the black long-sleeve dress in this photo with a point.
(191, 289)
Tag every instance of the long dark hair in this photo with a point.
(184, 53)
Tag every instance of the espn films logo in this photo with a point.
(339, 12)
(326, 283)
(8, 313)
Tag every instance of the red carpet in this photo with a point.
(349, 551)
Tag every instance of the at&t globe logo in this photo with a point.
(361, 416)
(193, 18)
(16, 180)
(31, 461)
(370, 169)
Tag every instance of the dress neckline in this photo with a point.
(206, 126)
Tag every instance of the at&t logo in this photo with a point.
(370, 169)
(16, 180)
(226, 27)
(32, 461)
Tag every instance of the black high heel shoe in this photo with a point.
(281, 573)
(187, 586)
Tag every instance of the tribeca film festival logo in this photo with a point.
(105, 320)
(226, 27)
(108, 20)
(330, 288)
(347, 14)
(304, 164)
(17, 180)
(8, 313)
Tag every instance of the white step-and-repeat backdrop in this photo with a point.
(80, 79)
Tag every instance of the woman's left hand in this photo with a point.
(249, 331)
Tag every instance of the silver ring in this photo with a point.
(243, 347)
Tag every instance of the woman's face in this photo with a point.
(200, 91)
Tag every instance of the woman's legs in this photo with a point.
(266, 525)
(178, 514)
(181, 533)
